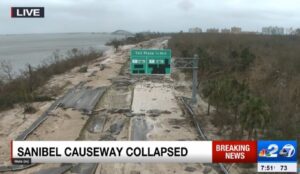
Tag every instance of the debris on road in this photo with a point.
(56, 170)
(83, 99)
(115, 110)
(86, 168)
(96, 124)
(157, 112)
(102, 67)
(140, 128)
(190, 169)
(83, 69)
(130, 114)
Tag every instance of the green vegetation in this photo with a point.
(139, 37)
(22, 89)
(115, 43)
(253, 81)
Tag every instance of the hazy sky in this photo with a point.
(153, 15)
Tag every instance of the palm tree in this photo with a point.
(208, 92)
(254, 115)
(240, 93)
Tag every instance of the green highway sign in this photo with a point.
(148, 62)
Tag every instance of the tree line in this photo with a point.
(244, 110)
(252, 81)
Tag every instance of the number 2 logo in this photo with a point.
(272, 150)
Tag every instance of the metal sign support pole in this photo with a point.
(189, 63)
(195, 79)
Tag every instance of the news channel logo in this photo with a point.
(277, 151)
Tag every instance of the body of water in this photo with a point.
(33, 49)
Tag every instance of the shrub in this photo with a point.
(22, 88)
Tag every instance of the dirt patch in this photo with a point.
(60, 127)
(12, 123)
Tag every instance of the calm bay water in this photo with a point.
(33, 49)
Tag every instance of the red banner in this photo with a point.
(234, 151)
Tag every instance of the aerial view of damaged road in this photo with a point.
(102, 101)
(149, 86)
(93, 95)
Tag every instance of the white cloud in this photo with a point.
(186, 5)
(158, 15)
